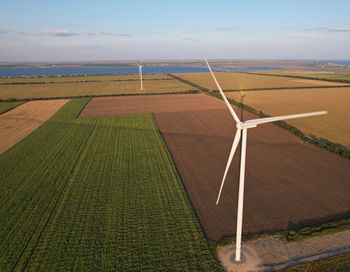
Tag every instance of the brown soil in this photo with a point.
(289, 184)
(21, 121)
(104, 106)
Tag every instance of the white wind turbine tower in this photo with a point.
(140, 72)
(243, 126)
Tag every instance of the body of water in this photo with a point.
(54, 71)
(339, 62)
(13, 72)
(253, 68)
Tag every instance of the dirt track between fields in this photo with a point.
(22, 120)
(289, 184)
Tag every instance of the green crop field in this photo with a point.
(80, 78)
(6, 106)
(88, 86)
(99, 194)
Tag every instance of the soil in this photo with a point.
(289, 184)
(104, 106)
(22, 120)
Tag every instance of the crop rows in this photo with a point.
(97, 194)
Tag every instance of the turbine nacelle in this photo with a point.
(244, 125)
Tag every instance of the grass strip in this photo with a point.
(340, 263)
(99, 95)
(332, 77)
(202, 89)
(290, 236)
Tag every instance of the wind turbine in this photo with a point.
(140, 72)
(242, 128)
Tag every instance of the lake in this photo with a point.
(53, 71)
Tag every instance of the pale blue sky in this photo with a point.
(78, 30)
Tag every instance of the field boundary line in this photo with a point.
(200, 88)
(311, 139)
(22, 102)
(299, 76)
(61, 196)
(171, 158)
(82, 81)
(82, 108)
(284, 88)
(92, 96)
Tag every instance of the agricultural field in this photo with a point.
(334, 126)
(6, 106)
(281, 168)
(22, 120)
(97, 194)
(340, 77)
(235, 81)
(80, 78)
(339, 263)
(104, 106)
(159, 84)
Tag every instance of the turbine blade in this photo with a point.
(224, 96)
(230, 157)
(278, 118)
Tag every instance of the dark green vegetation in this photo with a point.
(189, 83)
(339, 263)
(21, 101)
(296, 235)
(6, 106)
(99, 194)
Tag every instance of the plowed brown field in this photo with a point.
(289, 183)
(22, 120)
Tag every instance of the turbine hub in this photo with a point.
(245, 125)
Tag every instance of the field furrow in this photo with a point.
(97, 194)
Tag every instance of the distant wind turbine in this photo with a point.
(243, 126)
(140, 72)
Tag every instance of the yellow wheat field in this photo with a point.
(23, 91)
(334, 126)
(232, 80)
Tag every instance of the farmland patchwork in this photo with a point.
(96, 194)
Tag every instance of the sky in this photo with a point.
(107, 30)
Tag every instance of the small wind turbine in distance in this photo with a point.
(140, 72)
(243, 126)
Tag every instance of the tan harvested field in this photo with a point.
(90, 88)
(332, 76)
(82, 78)
(289, 184)
(334, 126)
(233, 80)
(22, 120)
